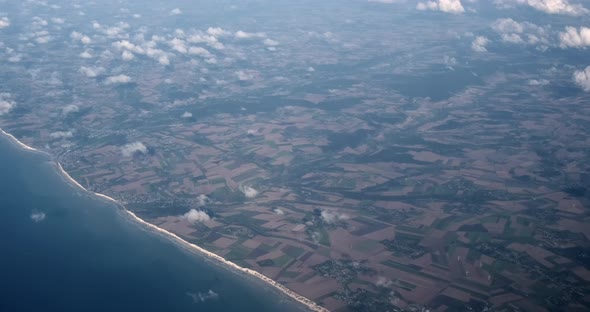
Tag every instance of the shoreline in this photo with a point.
(311, 305)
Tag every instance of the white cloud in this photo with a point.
(68, 109)
(208, 39)
(217, 32)
(244, 75)
(279, 211)
(383, 282)
(15, 58)
(547, 6)
(202, 200)
(538, 82)
(127, 56)
(4, 22)
(38, 216)
(582, 78)
(131, 149)
(270, 42)
(91, 72)
(187, 115)
(58, 135)
(6, 104)
(448, 6)
(479, 44)
(246, 35)
(86, 54)
(331, 217)
(39, 22)
(126, 45)
(80, 37)
(248, 191)
(117, 31)
(57, 20)
(514, 32)
(118, 79)
(199, 51)
(176, 11)
(575, 38)
(194, 216)
(178, 45)
(201, 297)
(164, 60)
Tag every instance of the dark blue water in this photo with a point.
(61, 250)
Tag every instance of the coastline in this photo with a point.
(311, 305)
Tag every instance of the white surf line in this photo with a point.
(21, 144)
(297, 297)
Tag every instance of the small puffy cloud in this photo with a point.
(205, 38)
(199, 51)
(582, 78)
(15, 58)
(447, 6)
(69, 109)
(270, 42)
(217, 32)
(39, 22)
(178, 45)
(202, 200)
(127, 56)
(118, 79)
(574, 38)
(6, 104)
(126, 45)
(563, 7)
(58, 135)
(246, 35)
(244, 75)
(117, 31)
(201, 297)
(38, 216)
(164, 60)
(80, 37)
(279, 211)
(176, 11)
(331, 217)
(479, 44)
(131, 149)
(383, 282)
(57, 20)
(195, 216)
(91, 72)
(4, 22)
(187, 115)
(538, 82)
(86, 54)
(248, 191)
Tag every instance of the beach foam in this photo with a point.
(301, 299)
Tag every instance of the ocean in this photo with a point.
(64, 250)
